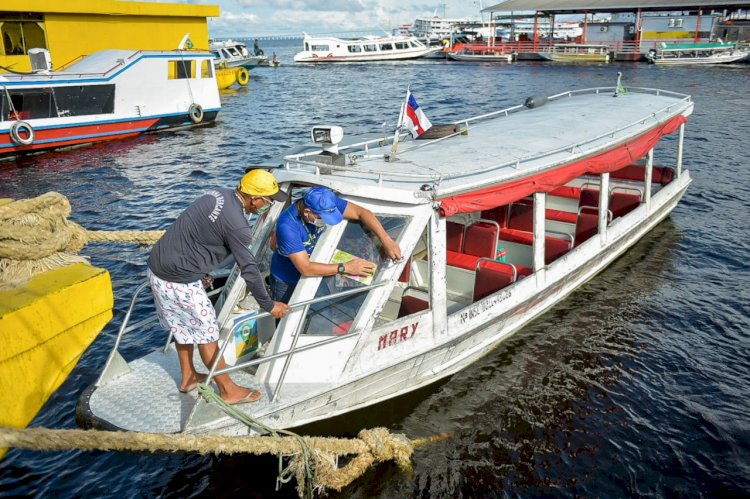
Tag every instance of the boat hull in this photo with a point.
(45, 326)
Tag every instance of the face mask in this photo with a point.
(318, 222)
(263, 209)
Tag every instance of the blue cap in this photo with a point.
(322, 201)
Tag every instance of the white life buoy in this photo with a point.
(195, 111)
(21, 133)
(243, 76)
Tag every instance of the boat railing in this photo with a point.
(464, 126)
(286, 354)
(125, 327)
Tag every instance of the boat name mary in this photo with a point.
(396, 336)
(483, 306)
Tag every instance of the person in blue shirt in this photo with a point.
(297, 232)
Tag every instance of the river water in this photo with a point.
(636, 385)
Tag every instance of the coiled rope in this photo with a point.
(371, 446)
(36, 235)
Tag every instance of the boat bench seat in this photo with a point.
(554, 247)
(411, 304)
(492, 276)
(622, 203)
(521, 216)
(660, 174)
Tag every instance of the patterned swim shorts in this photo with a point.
(185, 310)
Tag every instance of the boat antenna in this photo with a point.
(394, 145)
(619, 89)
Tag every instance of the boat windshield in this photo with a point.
(336, 316)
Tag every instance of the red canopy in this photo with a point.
(608, 161)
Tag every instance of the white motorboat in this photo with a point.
(365, 49)
(234, 54)
(111, 94)
(674, 54)
(498, 220)
(578, 52)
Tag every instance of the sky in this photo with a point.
(251, 18)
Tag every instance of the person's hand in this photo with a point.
(358, 266)
(392, 249)
(279, 309)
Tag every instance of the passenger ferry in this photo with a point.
(370, 48)
(675, 54)
(498, 220)
(111, 94)
(578, 52)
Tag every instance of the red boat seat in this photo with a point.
(621, 203)
(521, 217)
(554, 247)
(454, 237)
(406, 273)
(561, 216)
(481, 240)
(492, 276)
(587, 226)
(589, 197)
(411, 305)
(567, 191)
(498, 214)
(461, 260)
(660, 174)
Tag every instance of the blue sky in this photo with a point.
(247, 18)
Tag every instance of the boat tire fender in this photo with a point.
(243, 76)
(195, 111)
(535, 101)
(20, 128)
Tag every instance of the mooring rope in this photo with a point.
(371, 446)
(36, 235)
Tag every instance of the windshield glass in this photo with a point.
(335, 316)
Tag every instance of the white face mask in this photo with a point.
(318, 222)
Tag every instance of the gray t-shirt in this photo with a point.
(202, 237)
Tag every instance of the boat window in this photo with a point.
(320, 48)
(386, 46)
(179, 70)
(401, 45)
(413, 44)
(336, 316)
(217, 55)
(232, 51)
(21, 32)
(371, 47)
(82, 100)
(207, 69)
(29, 103)
(355, 48)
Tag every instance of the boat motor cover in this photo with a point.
(547, 181)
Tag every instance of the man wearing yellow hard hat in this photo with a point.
(203, 236)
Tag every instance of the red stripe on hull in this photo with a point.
(77, 134)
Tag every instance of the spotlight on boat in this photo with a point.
(329, 137)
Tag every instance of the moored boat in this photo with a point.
(370, 48)
(111, 94)
(234, 54)
(674, 54)
(483, 53)
(577, 52)
(498, 221)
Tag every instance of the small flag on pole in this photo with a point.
(414, 120)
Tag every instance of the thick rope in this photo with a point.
(36, 235)
(371, 446)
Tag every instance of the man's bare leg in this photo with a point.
(189, 375)
(228, 389)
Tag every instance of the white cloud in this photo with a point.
(292, 17)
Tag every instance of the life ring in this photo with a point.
(243, 76)
(195, 111)
(20, 128)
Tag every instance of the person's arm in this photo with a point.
(369, 220)
(251, 274)
(308, 268)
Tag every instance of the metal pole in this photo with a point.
(647, 180)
